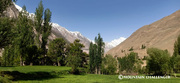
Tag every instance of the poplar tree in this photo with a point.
(177, 47)
(175, 62)
(91, 56)
(43, 29)
(39, 22)
(100, 52)
(46, 31)
(96, 53)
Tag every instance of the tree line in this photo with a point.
(159, 62)
(25, 42)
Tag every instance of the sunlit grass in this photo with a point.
(69, 78)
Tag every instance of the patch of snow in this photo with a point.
(18, 7)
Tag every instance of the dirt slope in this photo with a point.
(160, 34)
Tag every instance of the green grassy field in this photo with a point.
(46, 74)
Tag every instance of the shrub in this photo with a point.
(109, 65)
(127, 63)
(131, 49)
(143, 47)
(158, 62)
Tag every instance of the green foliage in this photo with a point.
(143, 46)
(145, 58)
(158, 62)
(96, 52)
(4, 80)
(127, 63)
(6, 34)
(32, 52)
(57, 51)
(92, 58)
(177, 47)
(17, 36)
(43, 28)
(9, 58)
(109, 65)
(24, 35)
(38, 22)
(138, 67)
(46, 30)
(1, 61)
(131, 49)
(4, 4)
(74, 58)
(175, 63)
(175, 59)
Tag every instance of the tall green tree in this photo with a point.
(96, 53)
(43, 29)
(74, 58)
(91, 58)
(176, 56)
(39, 22)
(57, 51)
(25, 36)
(100, 46)
(177, 47)
(46, 31)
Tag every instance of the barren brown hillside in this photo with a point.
(160, 34)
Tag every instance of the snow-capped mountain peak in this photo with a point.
(18, 7)
(59, 31)
(113, 43)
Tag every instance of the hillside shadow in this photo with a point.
(15, 75)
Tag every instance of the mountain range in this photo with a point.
(59, 31)
(161, 34)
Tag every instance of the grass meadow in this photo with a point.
(55, 74)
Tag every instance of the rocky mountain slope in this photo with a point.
(160, 34)
(59, 31)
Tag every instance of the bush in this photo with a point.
(131, 49)
(143, 47)
(109, 65)
(127, 63)
(158, 62)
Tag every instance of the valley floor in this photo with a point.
(45, 74)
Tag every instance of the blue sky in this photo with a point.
(111, 18)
